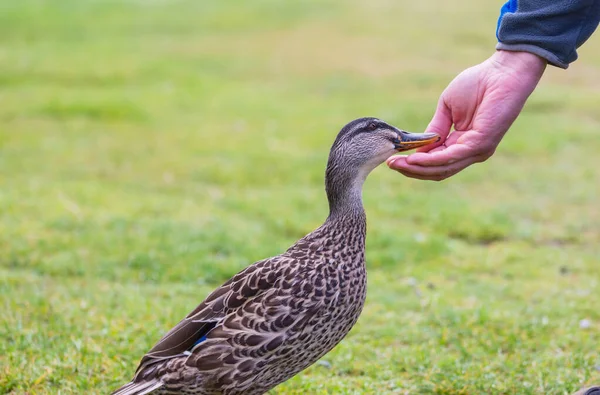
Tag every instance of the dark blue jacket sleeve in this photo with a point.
(552, 29)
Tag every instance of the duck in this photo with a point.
(281, 314)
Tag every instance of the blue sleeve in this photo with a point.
(552, 29)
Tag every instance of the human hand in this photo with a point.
(481, 102)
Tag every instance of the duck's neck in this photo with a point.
(343, 185)
(346, 225)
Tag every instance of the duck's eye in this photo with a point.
(372, 126)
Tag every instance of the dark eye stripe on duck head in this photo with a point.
(359, 126)
(363, 125)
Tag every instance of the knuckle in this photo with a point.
(485, 150)
(484, 156)
(481, 150)
(482, 153)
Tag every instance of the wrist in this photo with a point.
(520, 62)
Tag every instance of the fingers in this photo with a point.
(460, 151)
(442, 156)
(432, 173)
(440, 124)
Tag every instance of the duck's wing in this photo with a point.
(195, 326)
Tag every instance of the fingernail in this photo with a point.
(392, 161)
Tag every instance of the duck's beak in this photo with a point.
(407, 141)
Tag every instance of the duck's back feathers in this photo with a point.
(183, 341)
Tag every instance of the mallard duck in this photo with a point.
(281, 314)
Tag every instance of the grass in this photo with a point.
(149, 150)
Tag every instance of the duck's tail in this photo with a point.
(139, 388)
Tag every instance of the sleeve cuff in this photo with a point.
(549, 56)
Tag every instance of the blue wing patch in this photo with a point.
(199, 341)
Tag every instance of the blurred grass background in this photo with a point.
(150, 149)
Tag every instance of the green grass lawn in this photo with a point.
(151, 149)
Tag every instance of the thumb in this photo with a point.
(440, 124)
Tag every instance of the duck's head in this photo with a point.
(365, 143)
(361, 146)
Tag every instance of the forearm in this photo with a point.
(551, 29)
